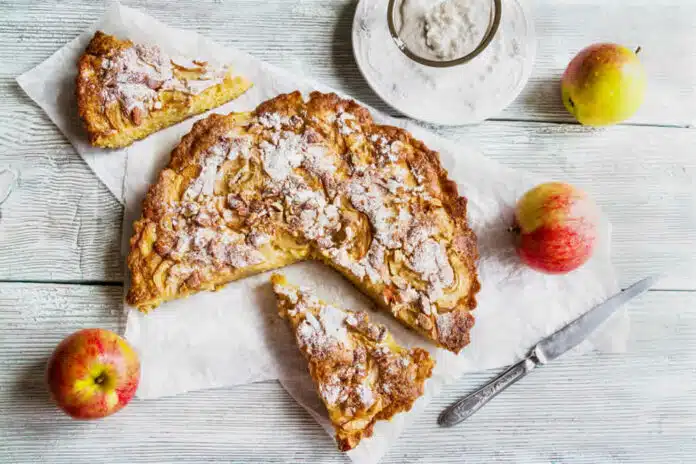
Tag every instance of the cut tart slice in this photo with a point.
(127, 91)
(315, 179)
(362, 375)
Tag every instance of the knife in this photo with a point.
(546, 350)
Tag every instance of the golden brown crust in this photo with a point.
(109, 124)
(445, 319)
(88, 85)
(362, 375)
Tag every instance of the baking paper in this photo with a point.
(234, 336)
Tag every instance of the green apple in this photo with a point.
(604, 84)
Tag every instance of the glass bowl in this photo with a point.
(493, 25)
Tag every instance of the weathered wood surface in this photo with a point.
(313, 37)
(62, 225)
(635, 407)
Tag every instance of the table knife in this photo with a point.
(546, 350)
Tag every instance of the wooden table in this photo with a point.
(60, 267)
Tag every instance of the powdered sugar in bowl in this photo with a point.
(443, 33)
(463, 90)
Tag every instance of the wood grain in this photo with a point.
(66, 225)
(312, 37)
(61, 224)
(636, 407)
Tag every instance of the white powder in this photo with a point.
(242, 255)
(442, 30)
(331, 393)
(289, 292)
(281, 158)
(258, 239)
(273, 120)
(467, 93)
(343, 126)
(137, 74)
(366, 396)
(318, 161)
(332, 320)
(321, 334)
(445, 325)
(430, 260)
(204, 184)
(368, 198)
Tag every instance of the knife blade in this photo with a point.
(546, 350)
(574, 333)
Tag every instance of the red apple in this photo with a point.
(557, 226)
(93, 373)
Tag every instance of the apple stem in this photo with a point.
(515, 229)
(638, 50)
(100, 379)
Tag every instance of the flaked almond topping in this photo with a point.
(137, 115)
(135, 75)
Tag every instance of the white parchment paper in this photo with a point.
(234, 336)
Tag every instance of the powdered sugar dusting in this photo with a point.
(445, 325)
(366, 395)
(491, 81)
(136, 75)
(370, 198)
(230, 148)
(377, 191)
(344, 128)
(273, 120)
(323, 330)
(352, 373)
(332, 319)
(430, 260)
(280, 158)
(331, 393)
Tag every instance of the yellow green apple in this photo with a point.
(604, 84)
(556, 225)
(93, 373)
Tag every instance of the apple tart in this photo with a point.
(127, 91)
(362, 375)
(317, 179)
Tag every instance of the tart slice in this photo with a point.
(127, 91)
(360, 372)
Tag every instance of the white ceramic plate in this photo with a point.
(435, 102)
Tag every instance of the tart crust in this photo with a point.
(127, 91)
(361, 374)
(316, 179)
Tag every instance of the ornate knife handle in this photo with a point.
(465, 407)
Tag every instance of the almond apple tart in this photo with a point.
(316, 179)
(127, 91)
(362, 375)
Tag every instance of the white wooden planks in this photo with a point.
(313, 37)
(634, 407)
(61, 224)
(65, 225)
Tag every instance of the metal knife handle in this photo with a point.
(465, 407)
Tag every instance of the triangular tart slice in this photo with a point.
(127, 91)
(362, 375)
